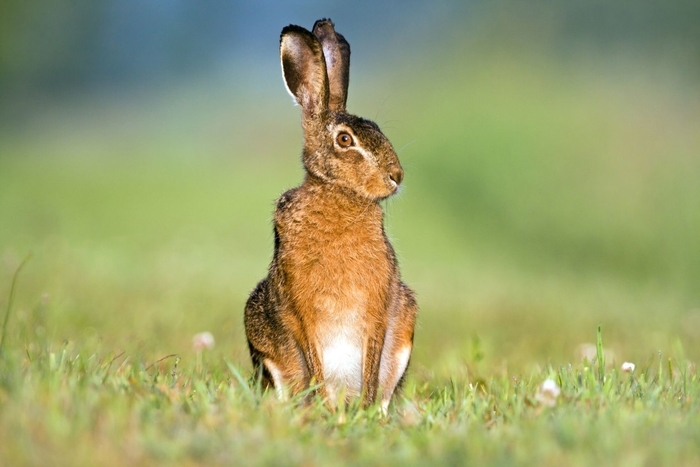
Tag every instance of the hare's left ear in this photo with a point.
(304, 70)
(336, 51)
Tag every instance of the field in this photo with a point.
(541, 202)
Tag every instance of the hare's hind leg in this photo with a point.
(272, 347)
(398, 345)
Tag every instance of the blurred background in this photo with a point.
(551, 152)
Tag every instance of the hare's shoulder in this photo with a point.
(289, 206)
(287, 200)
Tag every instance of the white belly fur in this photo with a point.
(342, 365)
(340, 342)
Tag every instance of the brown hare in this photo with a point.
(333, 309)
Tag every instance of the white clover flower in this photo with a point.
(628, 367)
(549, 391)
(203, 340)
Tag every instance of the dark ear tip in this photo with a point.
(324, 28)
(292, 28)
(322, 23)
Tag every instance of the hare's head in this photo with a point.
(339, 148)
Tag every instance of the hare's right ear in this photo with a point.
(336, 51)
(304, 69)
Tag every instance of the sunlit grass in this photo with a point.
(67, 406)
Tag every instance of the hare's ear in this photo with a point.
(304, 69)
(336, 51)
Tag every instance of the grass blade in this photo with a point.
(600, 355)
(241, 381)
(9, 301)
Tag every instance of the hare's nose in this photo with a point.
(396, 173)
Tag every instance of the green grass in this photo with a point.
(66, 406)
(540, 202)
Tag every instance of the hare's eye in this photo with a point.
(344, 140)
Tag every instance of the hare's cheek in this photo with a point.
(351, 158)
(355, 165)
(345, 164)
(372, 178)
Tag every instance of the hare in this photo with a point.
(333, 309)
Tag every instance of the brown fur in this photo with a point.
(333, 309)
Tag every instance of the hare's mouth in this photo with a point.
(393, 187)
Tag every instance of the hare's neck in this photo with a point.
(343, 203)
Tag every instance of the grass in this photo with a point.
(540, 202)
(64, 406)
